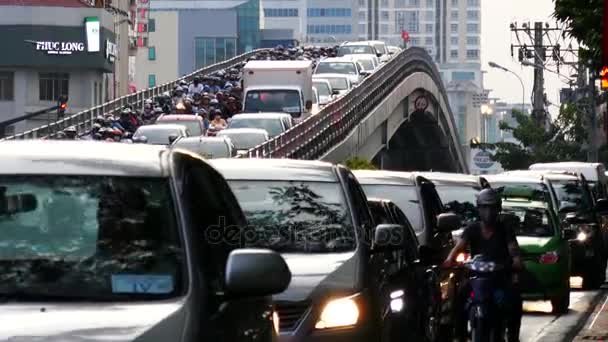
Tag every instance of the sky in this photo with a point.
(496, 43)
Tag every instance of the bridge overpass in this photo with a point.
(399, 117)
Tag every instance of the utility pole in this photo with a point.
(538, 112)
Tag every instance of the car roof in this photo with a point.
(202, 139)
(444, 178)
(330, 75)
(548, 174)
(378, 199)
(379, 177)
(589, 170)
(239, 131)
(278, 65)
(321, 80)
(179, 117)
(261, 116)
(501, 178)
(43, 157)
(357, 43)
(524, 203)
(163, 127)
(275, 169)
(337, 59)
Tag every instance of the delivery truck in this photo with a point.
(278, 86)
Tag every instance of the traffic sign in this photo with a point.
(405, 36)
(421, 103)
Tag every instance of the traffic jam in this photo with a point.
(175, 236)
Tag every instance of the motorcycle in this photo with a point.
(485, 306)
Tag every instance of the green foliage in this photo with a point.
(563, 141)
(584, 20)
(356, 163)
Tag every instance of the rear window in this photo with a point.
(532, 221)
(338, 83)
(355, 49)
(573, 195)
(322, 88)
(405, 197)
(272, 126)
(193, 126)
(209, 150)
(157, 136)
(461, 200)
(336, 68)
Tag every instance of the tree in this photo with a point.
(565, 140)
(356, 163)
(583, 19)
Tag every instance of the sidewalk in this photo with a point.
(596, 327)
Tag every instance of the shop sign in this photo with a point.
(59, 48)
(111, 51)
(483, 160)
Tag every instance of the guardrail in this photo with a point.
(314, 136)
(83, 121)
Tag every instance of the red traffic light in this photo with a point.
(63, 106)
(604, 78)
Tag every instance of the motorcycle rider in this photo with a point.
(494, 239)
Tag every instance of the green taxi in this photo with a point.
(545, 250)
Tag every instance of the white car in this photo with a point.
(383, 53)
(324, 90)
(368, 62)
(340, 83)
(273, 123)
(207, 147)
(344, 66)
(393, 50)
(244, 139)
(164, 134)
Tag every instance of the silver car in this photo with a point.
(208, 147)
(273, 123)
(244, 139)
(164, 134)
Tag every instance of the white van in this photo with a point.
(595, 173)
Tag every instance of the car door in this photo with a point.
(440, 242)
(215, 221)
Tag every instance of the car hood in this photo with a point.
(314, 275)
(91, 322)
(530, 244)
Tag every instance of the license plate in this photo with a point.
(589, 253)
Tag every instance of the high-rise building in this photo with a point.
(184, 35)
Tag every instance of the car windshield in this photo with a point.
(272, 126)
(338, 83)
(244, 141)
(380, 48)
(322, 88)
(296, 216)
(531, 191)
(285, 101)
(193, 126)
(355, 50)
(90, 238)
(532, 221)
(461, 200)
(157, 136)
(207, 149)
(405, 197)
(572, 196)
(367, 64)
(336, 68)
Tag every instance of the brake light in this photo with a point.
(472, 294)
(549, 258)
(463, 257)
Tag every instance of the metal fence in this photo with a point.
(83, 121)
(319, 133)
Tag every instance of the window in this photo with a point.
(6, 86)
(53, 85)
(428, 41)
(454, 28)
(454, 40)
(362, 15)
(151, 25)
(407, 20)
(384, 28)
(463, 76)
(362, 3)
(472, 15)
(453, 53)
(384, 3)
(405, 197)
(151, 53)
(429, 15)
(329, 29)
(362, 28)
(472, 40)
(329, 12)
(384, 15)
(400, 3)
(454, 15)
(414, 41)
(428, 28)
(473, 3)
(430, 3)
(472, 28)
(472, 54)
(280, 12)
(414, 3)
(208, 51)
(151, 80)
(454, 3)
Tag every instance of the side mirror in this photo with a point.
(365, 73)
(388, 237)
(172, 138)
(448, 222)
(378, 55)
(602, 205)
(425, 254)
(569, 234)
(308, 105)
(14, 204)
(141, 140)
(256, 273)
(335, 92)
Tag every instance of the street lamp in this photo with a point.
(486, 111)
(523, 90)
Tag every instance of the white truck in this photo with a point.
(278, 86)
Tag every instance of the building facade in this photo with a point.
(66, 49)
(187, 35)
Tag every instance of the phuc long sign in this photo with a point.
(60, 48)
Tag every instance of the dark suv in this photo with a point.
(315, 214)
(417, 198)
(107, 240)
(419, 279)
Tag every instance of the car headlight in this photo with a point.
(275, 322)
(338, 313)
(581, 236)
(463, 257)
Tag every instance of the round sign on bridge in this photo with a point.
(483, 160)
(421, 103)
